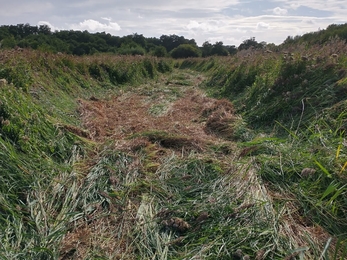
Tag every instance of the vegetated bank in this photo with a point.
(297, 98)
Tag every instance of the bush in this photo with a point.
(160, 51)
(131, 50)
(185, 51)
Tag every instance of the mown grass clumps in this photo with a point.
(201, 212)
(33, 153)
(172, 141)
(309, 167)
(220, 117)
(43, 145)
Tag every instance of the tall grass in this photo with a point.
(296, 83)
(296, 99)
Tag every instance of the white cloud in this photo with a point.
(295, 5)
(216, 39)
(207, 26)
(106, 18)
(240, 30)
(193, 25)
(53, 28)
(308, 21)
(95, 26)
(262, 26)
(279, 11)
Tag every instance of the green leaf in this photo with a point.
(323, 169)
(331, 188)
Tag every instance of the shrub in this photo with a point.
(131, 50)
(160, 51)
(185, 51)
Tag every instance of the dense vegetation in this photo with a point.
(85, 43)
(267, 179)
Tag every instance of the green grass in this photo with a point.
(297, 106)
(43, 188)
(238, 214)
(279, 192)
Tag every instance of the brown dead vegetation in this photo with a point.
(77, 131)
(127, 116)
(78, 242)
(220, 116)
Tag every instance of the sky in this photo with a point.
(229, 21)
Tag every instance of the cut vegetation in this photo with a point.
(108, 157)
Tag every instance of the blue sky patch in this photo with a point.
(254, 8)
(307, 11)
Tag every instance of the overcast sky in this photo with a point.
(230, 21)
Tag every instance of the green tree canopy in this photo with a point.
(159, 51)
(251, 42)
(219, 49)
(185, 51)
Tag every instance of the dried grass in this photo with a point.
(127, 115)
(220, 117)
(101, 234)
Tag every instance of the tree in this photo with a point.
(44, 29)
(131, 49)
(231, 49)
(185, 51)
(206, 49)
(139, 39)
(219, 50)
(9, 42)
(251, 42)
(159, 51)
(4, 33)
(173, 41)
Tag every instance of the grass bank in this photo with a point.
(294, 101)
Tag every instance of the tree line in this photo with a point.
(84, 43)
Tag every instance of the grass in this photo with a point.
(262, 175)
(224, 212)
(43, 147)
(297, 108)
